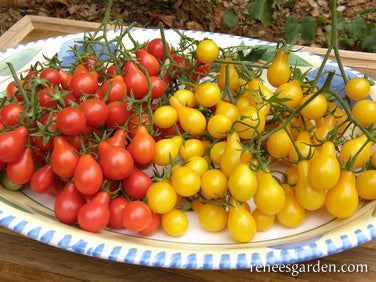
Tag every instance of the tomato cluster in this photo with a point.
(214, 132)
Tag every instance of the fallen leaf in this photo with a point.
(16, 3)
(194, 26)
(217, 18)
(166, 19)
(74, 9)
(64, 2)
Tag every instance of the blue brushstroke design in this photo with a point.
(145, 258)
(241, 261)
(131, 256)
(159, 259)
(65, 242)
(191, 261)
(225, 261)
(115, 252)
(34, 233)
(47, 237)
(175, 260)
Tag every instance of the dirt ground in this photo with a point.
(185, 14)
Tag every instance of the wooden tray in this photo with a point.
(31, 28)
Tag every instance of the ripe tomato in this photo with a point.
(232, 74)
(219, 125)
(21, 170)
(207, 94)
(174, 222)
(148, 61)
(165, 116)
(136, 216)
(190, 119)
(226, 108)
(135, 121)
(157, 87)
(364, 112)
(95, 111)
(10, 114)
(216, 152)
(135, 80)
(43, 179)
(46, 96)
(190, 148)
(142, 146)
(88, 176)
(263, 221)
(366, 185)
(212, 218)
(12, 90)
(116, 163)
(316, 108)
(12, 144)
(186, 97)
(161, 197)
(269, 197)
(118, 89)
(207, 51)
(198, 164)
(324, 170)
(71, 121)
(95, 215)
(153, 225)
(214, 183)
(279, 71)
(291, 91)
(166, 149)
(52, 76)
(83, 83)
(342, 200)
(68, 203)
(279, 144)
(242, 183)
(117, 206)
(185, 181)
(64, 159)
(292, 214)
(240, 223)
(351, 147)
(307, 196)
(155, 48)
(137, 184)
(65, 78)
(118, 139)
(357, 88)
(118, 114)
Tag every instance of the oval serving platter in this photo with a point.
(319, 235)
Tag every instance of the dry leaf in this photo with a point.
(166, 19)
(74, 9)
(217, 18)
(64, 2)
(16, 3)
(194, 26)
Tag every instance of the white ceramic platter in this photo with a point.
(320, 234)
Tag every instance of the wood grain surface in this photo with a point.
(25, 259)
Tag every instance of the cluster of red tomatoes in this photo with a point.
(87, 135)
(66, 134)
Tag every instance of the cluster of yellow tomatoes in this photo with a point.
(238, 146)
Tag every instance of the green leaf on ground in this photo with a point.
(261, 10)
(230, 19)
(306, 28)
